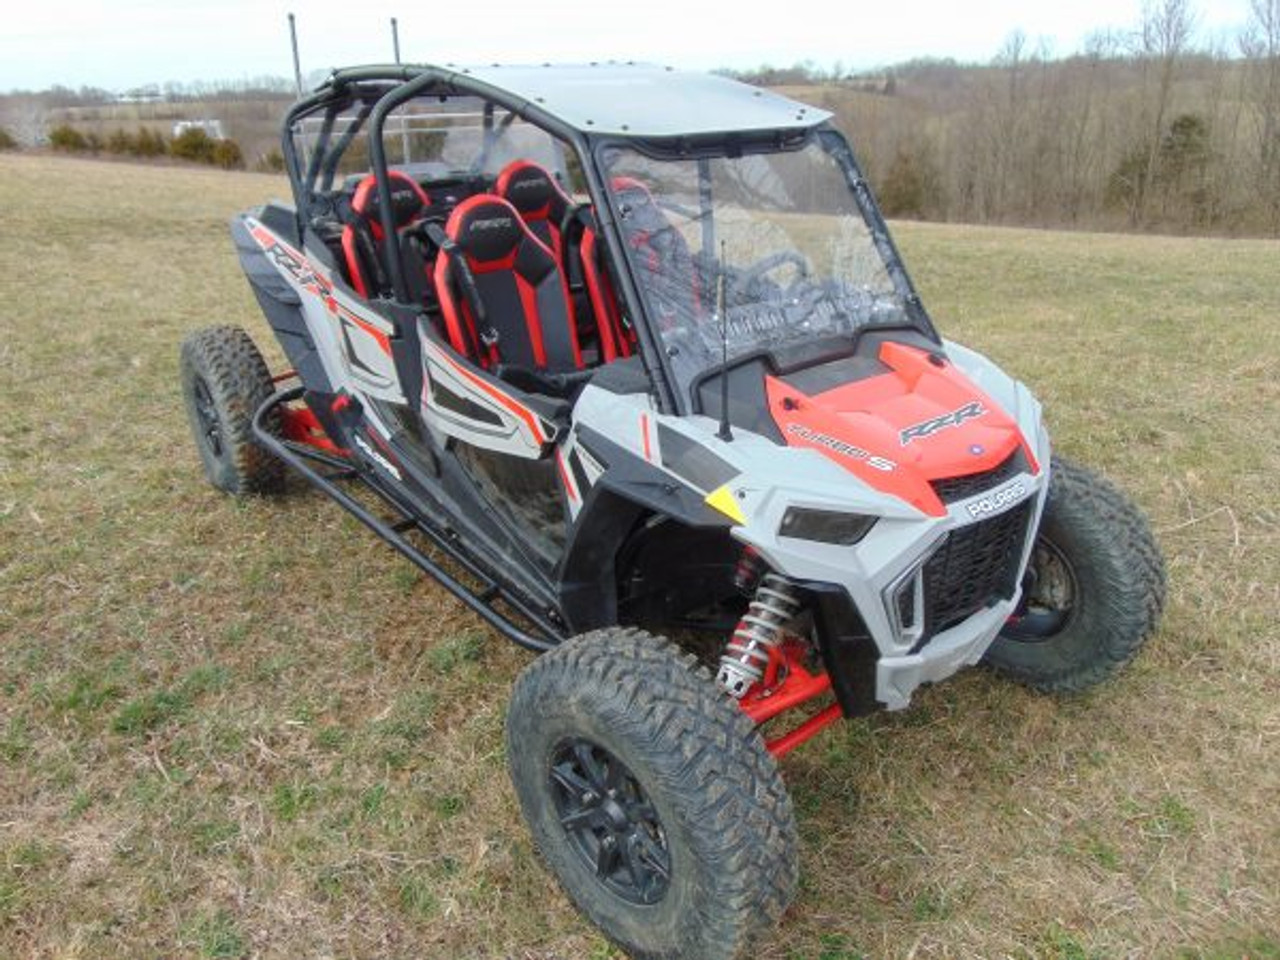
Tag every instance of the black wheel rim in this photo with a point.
(207, 414)
(1049, 595)
(610, 821)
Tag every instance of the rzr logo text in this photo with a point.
(969, 411)
(288, 261)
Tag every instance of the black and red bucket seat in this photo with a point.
(502, 294)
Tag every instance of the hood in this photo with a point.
(916, 419)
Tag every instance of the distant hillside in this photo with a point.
(1145, 131)
(249, 114)
(1180, 142)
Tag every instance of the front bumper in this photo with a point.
(897, 677)
(927, 611)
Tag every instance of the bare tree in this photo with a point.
(1261, 47)
(1086, 129)
(25, 116)
(1164, 38)
(995, 125)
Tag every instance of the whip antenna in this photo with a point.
(297, 64)
(724, 433)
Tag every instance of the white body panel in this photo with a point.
(769, 479)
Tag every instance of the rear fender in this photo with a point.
(351, 341)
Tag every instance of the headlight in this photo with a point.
(825, 526)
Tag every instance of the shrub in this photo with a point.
(272, 162)
(197, 146)
(120, 142)
(151, 143)
(192, 144)
(68, 139)
(1128, 181)
(226, 154)
(8, 143)
(910, 187)
(1185, 148)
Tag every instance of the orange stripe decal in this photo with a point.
(383, 340)
(644, 435)
(565, 478)
(522, 412)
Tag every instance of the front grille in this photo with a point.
(976, 566)
(953, 489)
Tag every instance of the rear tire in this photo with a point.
(224, 381)
(1095, 591)
(693, 853)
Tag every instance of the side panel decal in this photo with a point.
(464, 405)
(362, 338)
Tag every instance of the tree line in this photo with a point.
(1154, 128)
(1150, 129)
(173, 91)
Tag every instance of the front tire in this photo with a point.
(1094, 592)
(224, 381)
(651, 797)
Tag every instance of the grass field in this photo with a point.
(247, 729)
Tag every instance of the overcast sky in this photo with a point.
(121, 43)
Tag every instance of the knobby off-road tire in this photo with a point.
(1096, 591)
(694, 790)
(224, 381)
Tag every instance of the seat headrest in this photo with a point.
(529, 188)
(408, 200)
(631, 191)
(643, 221)
(485, 227)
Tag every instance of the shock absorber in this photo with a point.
(760, 630)
(746, 575)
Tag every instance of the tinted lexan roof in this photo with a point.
(644, 100)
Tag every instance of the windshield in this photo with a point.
(778, 238)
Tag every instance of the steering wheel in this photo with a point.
(755, 273)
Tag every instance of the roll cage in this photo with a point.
(376, 91)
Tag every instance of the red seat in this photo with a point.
(363, 236)
(545, 209)
(660, 253)
(616, 339)
(541, 202)
(501, 292)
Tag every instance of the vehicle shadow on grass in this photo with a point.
(904, 819)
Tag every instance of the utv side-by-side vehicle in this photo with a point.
(626, 359)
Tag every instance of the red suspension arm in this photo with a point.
(798, 687)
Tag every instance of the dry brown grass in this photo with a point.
(236, 729)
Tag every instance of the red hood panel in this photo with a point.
(896, 431)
